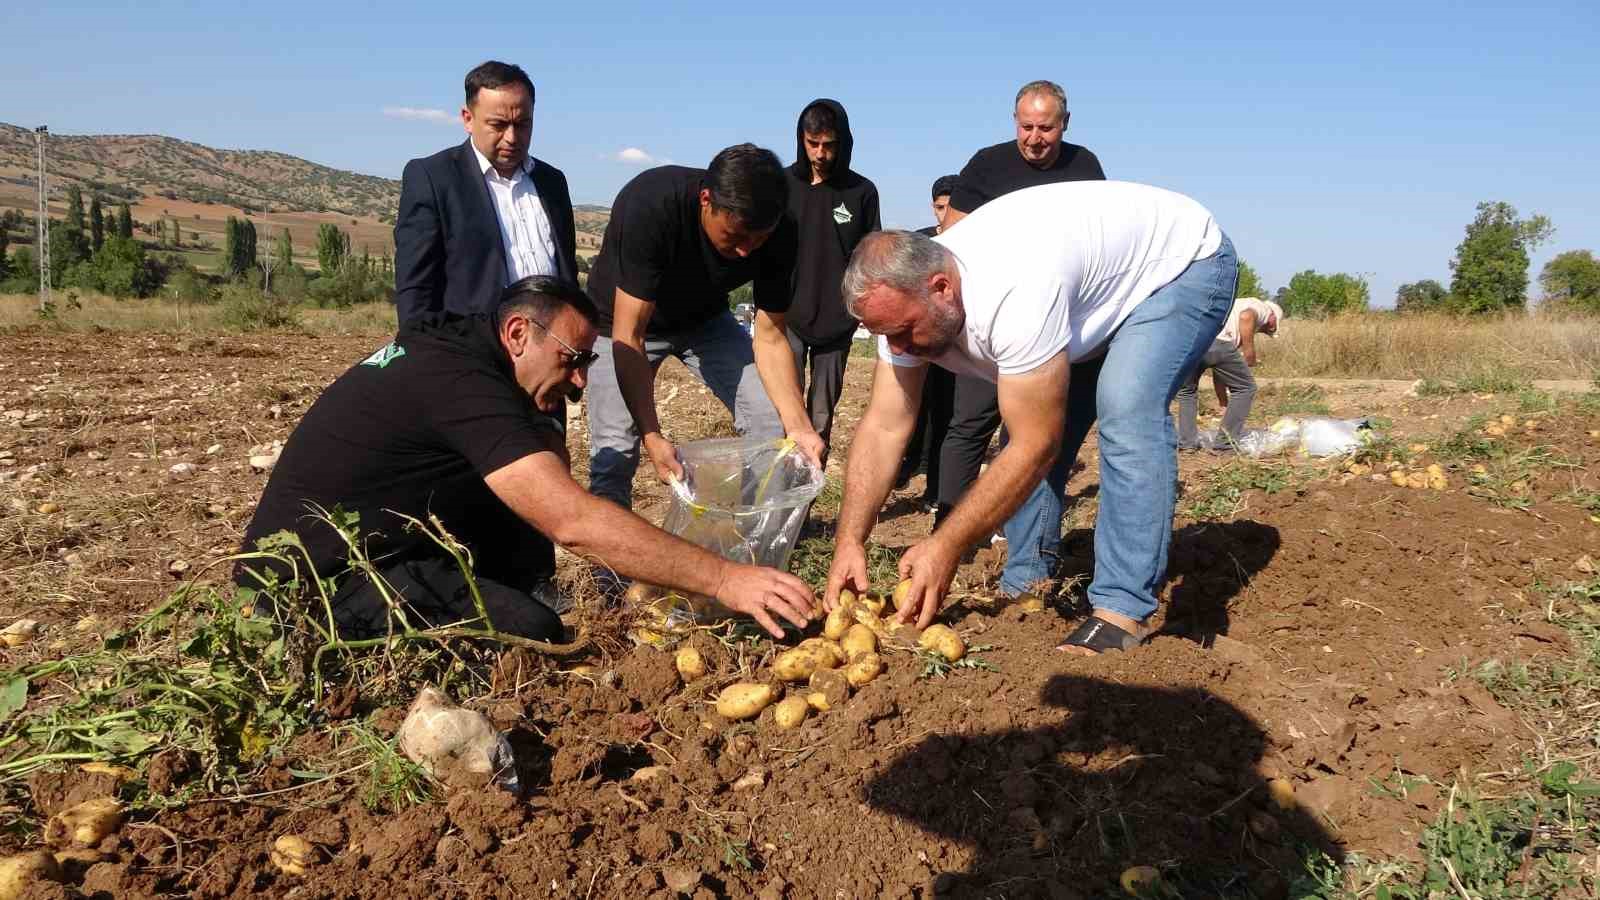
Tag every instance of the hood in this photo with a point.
(802, 168)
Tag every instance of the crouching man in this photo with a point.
(1081, 301)
(463, 418)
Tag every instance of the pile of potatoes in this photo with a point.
(844, 658)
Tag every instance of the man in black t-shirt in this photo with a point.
(1037, 156)
(462, 418)
(833, 207)
(678, 241)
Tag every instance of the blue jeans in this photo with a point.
(1129, 389)
(719, 353)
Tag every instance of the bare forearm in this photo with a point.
(997, 493)
(874, 458)
(636, 380)
(780, 377)
(605, 532)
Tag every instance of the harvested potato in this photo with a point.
(1029, 603)
(943, 640)
(1417, 480)
(790, 711)
(121, 773)
(1264, 826)
(1141, 881)
(872, 602)
(691, 665)
(640, 593)
(839, 619)
(829, 654)
(1398, 477)
(16, 872)
(866, 667)
(832, 684)
(859, 640)
(1281, 790)
(86, 824)
(901, 592)
(293, 854)
(744, 700)
(19, 632)
(818, 701)
(799, 663)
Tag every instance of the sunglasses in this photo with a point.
(580, 359)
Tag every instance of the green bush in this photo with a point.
(245, 308)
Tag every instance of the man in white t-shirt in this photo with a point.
(1230, 359)
(1081, 301)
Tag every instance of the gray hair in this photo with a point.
(902, 260)
(1048, 89)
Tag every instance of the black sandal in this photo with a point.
(1099, 635)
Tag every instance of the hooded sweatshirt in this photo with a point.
(831, 218)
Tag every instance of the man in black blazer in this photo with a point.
(482, 215)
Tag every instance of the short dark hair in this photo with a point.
(495, 75)
(747, 182)
(945, 185)
(819, 119)
(540, 298)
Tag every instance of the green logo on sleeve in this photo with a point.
(384, 355)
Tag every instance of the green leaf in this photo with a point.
(13, 696)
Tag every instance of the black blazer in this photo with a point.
(448, 253)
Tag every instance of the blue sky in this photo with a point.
(1356, 137)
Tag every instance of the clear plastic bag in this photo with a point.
(743, 499)
(1310, 436)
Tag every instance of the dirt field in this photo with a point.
(1322, 627)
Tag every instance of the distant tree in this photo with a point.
(68, 248)
(124, 221)
(1418, 296)
(1249, 284)
(121, 269)
(24, 271)
(161, 231)
(283, 254)
(1490, 269)
(1572, 277)
(75, 220)
(1317, 296)
(5, 241)
(248, 259)
(333, 246)
(97, 224)
(177, 233)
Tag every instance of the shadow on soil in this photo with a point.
(1129, 776)
(1209, 564)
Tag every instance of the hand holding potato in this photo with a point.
(760, 592)
(849, 570)
(930, 566)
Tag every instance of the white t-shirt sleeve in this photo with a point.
(1031, 326)
(904, 362)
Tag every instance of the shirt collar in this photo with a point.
(485, 167)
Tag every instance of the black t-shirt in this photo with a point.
(655, 249)
(414, 428)
(996, 171)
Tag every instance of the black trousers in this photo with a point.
(435, 593)
(926, 447)
(975, 415)
(827, 362)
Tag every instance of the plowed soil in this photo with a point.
(1313, 636)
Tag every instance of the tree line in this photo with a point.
(95, 251)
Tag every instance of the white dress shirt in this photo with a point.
(530, 245)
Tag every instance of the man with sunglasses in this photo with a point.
(462, 418)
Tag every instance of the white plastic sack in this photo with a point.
(1310, 436)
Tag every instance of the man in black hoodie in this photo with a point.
(834, 208)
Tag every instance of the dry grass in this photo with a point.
(95, 311)
(1441, 347)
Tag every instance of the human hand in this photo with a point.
(1250, 358)
(812, 445)
(663, 456)
(849, 570)
(759, 592)
(931, 566)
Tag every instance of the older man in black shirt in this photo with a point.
(678, 241)
(1038, 156)
(461, 417)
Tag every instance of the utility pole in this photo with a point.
(39, 135)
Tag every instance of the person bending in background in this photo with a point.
(1230, 359)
